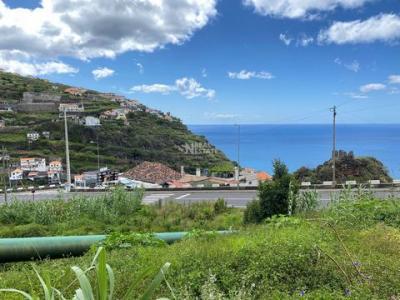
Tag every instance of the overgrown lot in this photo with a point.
(118, 211)
(349, 250)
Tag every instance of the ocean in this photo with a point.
(304, 145)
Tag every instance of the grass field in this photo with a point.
(349, 250)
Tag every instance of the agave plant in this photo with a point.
(105, 283)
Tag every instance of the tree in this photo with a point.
(273, 196)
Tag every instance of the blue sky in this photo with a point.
(254, 61)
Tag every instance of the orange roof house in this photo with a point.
(263, 176)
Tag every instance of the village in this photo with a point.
(35, 172)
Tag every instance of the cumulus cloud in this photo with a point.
(353, 66)
(384, 27)
(285, 39)
(394, 79)
(371, 87)
(300, 8)
(154, 88)
(245, 75)
(187, 87)
(102, 73)
(17, 62)
(102, 28)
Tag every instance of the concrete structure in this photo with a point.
(198, 172)
(33, 164)
(16, 175)
(90, 121)
(32, 97)
(71, 107)
(2, 123)
(38, 102)
(32, 136)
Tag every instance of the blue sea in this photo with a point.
(303, 145)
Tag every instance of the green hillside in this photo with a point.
(145, 134)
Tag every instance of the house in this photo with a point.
(75, 91)
(33, 164)
(16, 175)
(90, 121)
(71, 107)
(95, 178)
(32, 136)
(152, 172)
(2, 123)
(263, 176)
(46, 134)
(38, 176)
(55, 166)
(54, 177)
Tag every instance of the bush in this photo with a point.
(252, 214)
(220, 206)
(274, 196)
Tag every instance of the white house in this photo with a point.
(55, 166)
(91, 121)
(17, 174)
(33, 164)
(2, 123)
(32, 136)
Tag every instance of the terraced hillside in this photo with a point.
(129, 133)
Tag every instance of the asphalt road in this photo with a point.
(232, 197)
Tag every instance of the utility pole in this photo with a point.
(333, 110)
(68, 185)
(98, 152)
(238, 153)
(4, 154)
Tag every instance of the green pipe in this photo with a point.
(20, 249)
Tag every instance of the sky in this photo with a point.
(217, 62)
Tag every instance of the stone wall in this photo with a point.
(31, 97)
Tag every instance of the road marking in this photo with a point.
(181, 197)
(152, 198)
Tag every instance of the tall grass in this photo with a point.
(106, 208)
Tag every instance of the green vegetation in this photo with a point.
(276, 197)
(118, 211)
(145, 137)
(348, 167)
(349, 250)
(103, 289)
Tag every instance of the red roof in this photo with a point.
(263, 176)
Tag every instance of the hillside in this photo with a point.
(129, 132)
(348, 167)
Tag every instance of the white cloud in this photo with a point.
(384, 27)
(353, 66)
(102, 73)
(285, 39)
(103, 28)
(141, 68)
(394, 79)
(190, 88)
(300, 8)
(220, 116)
(187, 87)
(304, 40)
(154, 88)
(372, 87)
(17, 62)
(204, 73)
(244, 75)
(356, 96)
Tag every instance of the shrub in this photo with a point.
(220, 206)
(252, 214)
(274, 196)
(306, 201)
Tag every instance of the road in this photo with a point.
(232, 197)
